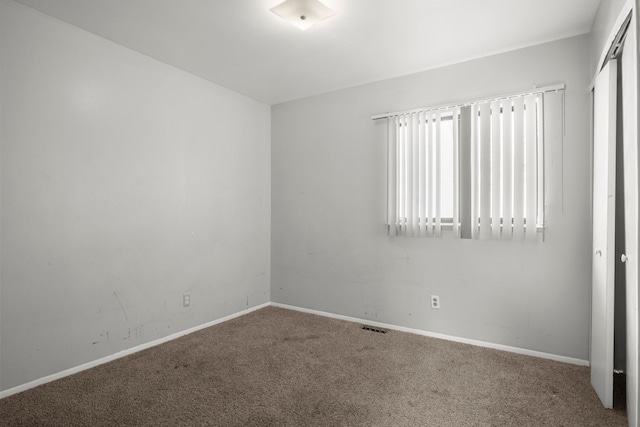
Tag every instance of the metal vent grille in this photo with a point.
(373, 329)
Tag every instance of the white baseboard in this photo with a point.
(542, 355)
(127, 352)
(123, 353)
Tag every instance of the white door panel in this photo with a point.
(604, 197)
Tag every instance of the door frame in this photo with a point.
(632, 292)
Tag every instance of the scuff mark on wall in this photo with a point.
(121, 306)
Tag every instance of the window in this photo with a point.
(421, 172)
(476, 169)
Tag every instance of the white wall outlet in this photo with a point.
(186, 300)
(435, 301)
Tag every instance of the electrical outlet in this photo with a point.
(186, 300)
(435, 301)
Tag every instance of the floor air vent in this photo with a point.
(373, 329)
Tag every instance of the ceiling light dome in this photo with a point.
(303, 13)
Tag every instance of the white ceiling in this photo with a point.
(241, 45)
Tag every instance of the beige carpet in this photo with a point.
(277, 367)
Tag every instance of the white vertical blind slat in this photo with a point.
(540, 161)
(507, 170)
(496, 185)
(553, 136)
(518, 169)
(408, 179)
(422, 193)
(414, 175)
(401, 173)
(531, 165)
(475, 173)
(409, 157)
(438, 180)
(456, 175)
(430, 168)
(391, 175)
(485, 171)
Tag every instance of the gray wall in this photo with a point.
(125, 184)
(329, 246)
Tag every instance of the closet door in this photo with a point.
(604, 202)
(629, 66)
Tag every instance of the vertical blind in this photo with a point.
(415, 172)
(475, 168)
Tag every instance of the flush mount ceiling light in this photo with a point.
(303, 13)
